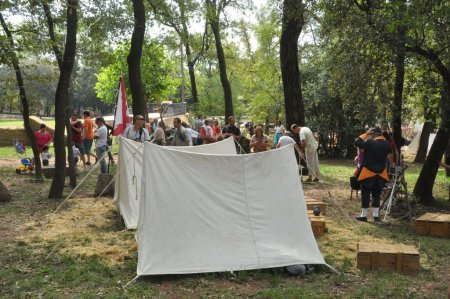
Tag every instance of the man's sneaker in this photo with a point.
(363, 219)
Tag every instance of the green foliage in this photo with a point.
(424, 92)
(83, 92)
(156, 73)
(263, 84)
(40, 84)
(211, 101)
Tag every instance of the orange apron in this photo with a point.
(366, 173)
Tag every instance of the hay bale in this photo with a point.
(4, 193)
(7, 134)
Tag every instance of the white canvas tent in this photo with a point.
(413, 147)
(228, 214)
(128, 181)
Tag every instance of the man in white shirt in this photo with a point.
(309, 147)
(286, 139)
(101, 145)
(190, 133)
(137, 132)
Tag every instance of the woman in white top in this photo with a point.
(278, 132)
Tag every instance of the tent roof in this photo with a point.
(128, 182)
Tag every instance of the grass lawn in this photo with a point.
(83, 250)
(10, 152)
(19, 123)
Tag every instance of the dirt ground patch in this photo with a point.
(12, 163)
(84, 251)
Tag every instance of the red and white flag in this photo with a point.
(121, 117)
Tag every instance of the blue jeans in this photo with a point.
(100, 152)
(87, 144)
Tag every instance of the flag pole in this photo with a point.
(115, 107)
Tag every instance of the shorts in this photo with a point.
(87, 144)
(44, 162)
(79, 146)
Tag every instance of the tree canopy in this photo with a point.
(157, 73)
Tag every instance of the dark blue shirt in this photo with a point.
(375, 153)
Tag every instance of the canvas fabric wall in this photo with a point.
(211, 213)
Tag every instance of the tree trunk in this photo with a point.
(191, 61)
(215, 27)
(191, 69)
(424, 185)
(400, 53)
(23, 99)
(292, 23)
(183, 77)
(62, 100)
(425, 182)
(421, 154)
(134, 59)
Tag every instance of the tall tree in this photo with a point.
(14, 60)
(292, 24)
(59, 59)
(62, 99)
(214, 10)
(134, 60)
(399, 62)
(425, 182)
(177, 17)
(429, 40)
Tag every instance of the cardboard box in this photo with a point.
(390, 257)
(434, 224)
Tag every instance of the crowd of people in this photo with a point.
(207, 131)
(88, 133)
(83, 134)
